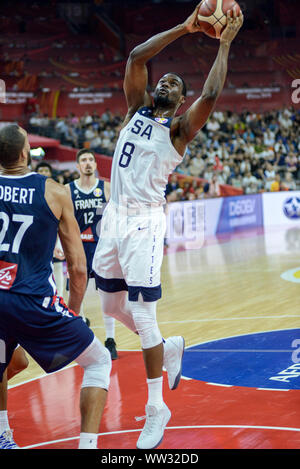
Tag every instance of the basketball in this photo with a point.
(212, 16)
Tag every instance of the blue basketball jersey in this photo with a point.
(88, 209)
(28, 233)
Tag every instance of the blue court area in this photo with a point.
(265, 360)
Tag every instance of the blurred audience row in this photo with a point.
(249, 151)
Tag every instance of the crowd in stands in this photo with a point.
(94, 131)
(250, 151)
(62, 176)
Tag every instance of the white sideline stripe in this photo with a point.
(254, 427)
(41, 376)
(245, 318)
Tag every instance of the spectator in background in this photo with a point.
(276, 184)
(288, 183)
(214, 187)
(197, 165)
(270, 174)
(173, 184)
(212, 125)
(269, 138)
(249, 183)
(90, 133)
(231, 144)
(44, 168)
(291, 162)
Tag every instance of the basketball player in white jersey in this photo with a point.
(129, 254)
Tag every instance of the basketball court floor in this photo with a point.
(236, 302)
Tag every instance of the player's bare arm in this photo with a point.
(59, 201)
(136, 74)
(196, 116)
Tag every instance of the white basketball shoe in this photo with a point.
(153, 431)
(173, 355)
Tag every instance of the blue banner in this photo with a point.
(240, 213)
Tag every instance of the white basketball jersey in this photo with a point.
(143, 160)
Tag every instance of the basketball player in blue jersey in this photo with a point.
(90, 195)
(152, 142)
(34, 209)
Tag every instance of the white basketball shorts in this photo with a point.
(129, 252)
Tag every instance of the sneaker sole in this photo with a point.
(178, 377)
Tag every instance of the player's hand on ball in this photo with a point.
(191, 23)
(234, 24)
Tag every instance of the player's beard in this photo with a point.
(88, 171)
(161, 100)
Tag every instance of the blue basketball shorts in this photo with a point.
(52, 334)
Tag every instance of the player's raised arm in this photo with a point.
(196, 116)
(136, 74)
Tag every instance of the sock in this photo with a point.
(88, 441)
(4, 424)
(155, 397)
(109, 324)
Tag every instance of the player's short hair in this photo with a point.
(43, 164)
(184, 87)
(12, 142)
(83, 151)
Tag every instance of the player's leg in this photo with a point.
(109, 279)
(63, 338)
(96, 363)
(19, 362)
(141, 254)
(110, 343)
(4, 424)
(116, 305)
(141, 260)
(157, 412)
(108, 321)
(6, 433)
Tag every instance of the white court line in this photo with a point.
(11, 386)
(245, 318)
(273, 389)
(189, 427)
